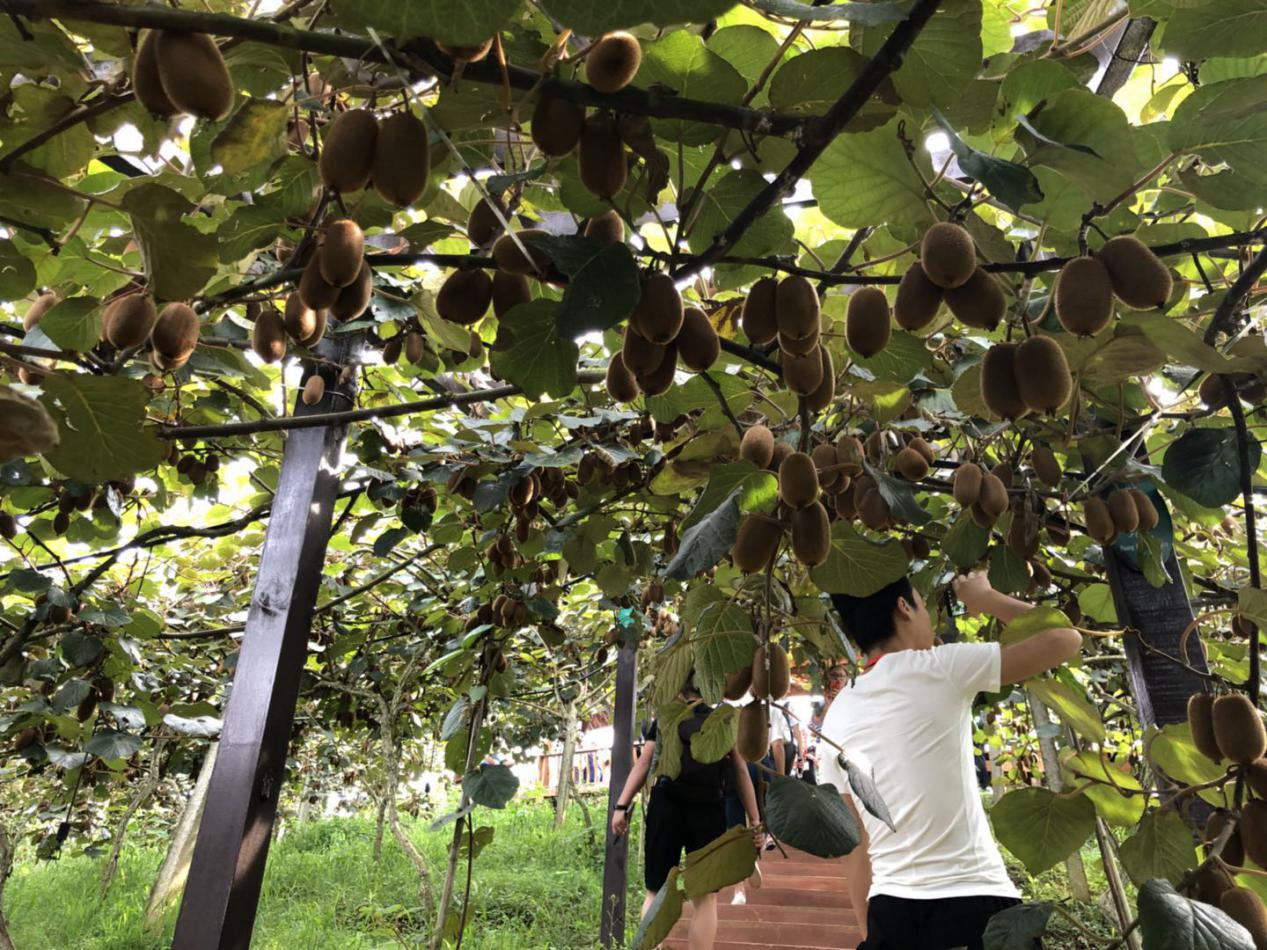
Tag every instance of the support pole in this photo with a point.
(616, 859)
(223, 889)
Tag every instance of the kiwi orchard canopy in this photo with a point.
(583, 312)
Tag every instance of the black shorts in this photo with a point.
(903, 923)
(674, 827)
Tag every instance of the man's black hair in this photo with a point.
(869, 620)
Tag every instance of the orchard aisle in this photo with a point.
(803, 904)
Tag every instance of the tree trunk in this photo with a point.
(305, 806)
(565, 766)
(378, 827)
(171, 876)
(1079, 889)
(1117, 889)
(6, 866)
(147, 788)
(446, 894)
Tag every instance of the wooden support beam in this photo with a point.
(223, 888)
(616, 858)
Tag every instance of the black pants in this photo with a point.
(674, 826)
(903, 923)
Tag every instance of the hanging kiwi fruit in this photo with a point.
(1238, 728)
(556, 125)
(1084, 296)
(347, 154)
(402, 159)
(798, 480)
(771, 673)
(811, 534)
(621, 384)
(978, 302)
(918, 299)
(757, 445)
(128, 320)
(268, 336)
(999, 388)
(753, 739)
(758, 318)
(1043, 380)
(756, 542)
(601, 156)
(465, 296)
(1140, 280)
(659, 313)
(867, 326)
(613, 62)
(193, 74)
(698, 345)
(948, 255)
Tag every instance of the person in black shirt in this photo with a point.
(686, 813)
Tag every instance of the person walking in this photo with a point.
(686, 813)
(936, 880)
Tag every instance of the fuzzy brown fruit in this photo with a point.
(128, 321)
(510, 259)
(1233, 849)
(867, 326)
(402, 159)
(873, 510)
(1201, 725)
(1042, 374)
(318, 330)
(146, 82)
(1099, 521)
(347, 153)
(314, 390)
(465, 296)
(1123, 511)
(414, 346)
(1140, 279)
(770, 683)
(268, 337)
(1046, 467)
(315, 291)
(601, 156)
(979, 302)
(966, 484)
(661, 378)
(509, 291)
(698, 345)
(40, 306)
(993, 497)
(829, 476)
(758, 317)
(355, 297)
(621, 385)
(194, 76)
(613, 62)
(753, 740)
(1256, 776)
(1084, 296)
(1238, 728)
(802, 374)
(825, 392)
(947, 255)
(796, 309)
(607, 228)
(999, 388)
(798, 480)
(482, 224)
(1246, 908)
(341, 252)
(1253, 828)
(737, 683)
(811, 534)
(175, 333)
(794, 347)
(1213, 392)
(1146, 510)
(757, 445)
(918, 299)
(849, 454)
(299, 319)
(466, 54)
(641, 356)
(556, 125)
(910, 464)
(756, 543)
(659, 313)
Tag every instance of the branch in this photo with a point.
(1130, 46)
(1222, 320)
(68, 121)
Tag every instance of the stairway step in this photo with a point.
(775, 913)
(796, 897)
(779, 934)
(841, 939)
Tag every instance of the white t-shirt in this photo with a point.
(909, 719)
(779, 727)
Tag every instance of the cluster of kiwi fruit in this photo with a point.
(661, 332)
(788, 311)
(801, 510)
(1248, 388)
(393, 154)
(947, 270)
(526, 495)
(595, 468)
(1123, 268)
(192, 467)
(914, 460)
(336, 283)
(177, 72)
(421, 498)
(1030, 376)
(1123, 511)
(132, 319)
(1023, 540)
(503, 555)
(502, 611)
(753, 740)
(984, 494)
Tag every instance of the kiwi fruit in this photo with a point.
(824, 456)
(509, 291)
(1211, 883)
(1201, 725)
(556, 125)
(947, 255)
(801, 374)
(314, 290)
(1213, 392)
(1040, 576)
(698, 345)
(770, 683)
(873, 509)
(1233, 849)
(978, 303)
(795, 347)
(992, 498)
(355, 297)
(8, 526)
(1238, 728)
(1022, 534)
(966, 484)
(341, 252)
(781, 451)
(757, 445)
(348, 153)
(1123, 511)
(798, 480)
(1253, 828)
(737, 683)
(867, 322)
(1140, 280)
(466, 54)
(482, 225)
(299, 319)
(1099, 521)
(659, 313)
(753, 740)
(146, 82)
(796, 308)
(510, 259)
(641, 356)
(314, 390)
(910, 464)
(194, 76)
(268, 336)
(1003, 472)
(1246, 908)
(35, 313)
(601, 156)
(1045, 465)
(129, 320)
(849, 454)
(1042, 374)
(318, 330)
(621, 385)
(402, 159)
(175, 333)
(465, 296)
(922, 446)
(918, 299)
(660, 379)
(811, 534)
(825, 392)
(607, 228)
(1145, 509)
(613, 62)
(1256, 775)
(756, 543)
(1084, 296)
(999, 388)
(758, 316)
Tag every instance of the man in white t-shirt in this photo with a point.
(934, 882)
(780, 741)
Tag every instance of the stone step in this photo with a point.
(784, 934)
(796, 897)
(778, 914)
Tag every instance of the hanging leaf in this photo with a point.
(715, 738)
(1040, 827)
(531, 353)
(671, 668)
(1013, 184)
(111, 744)
(179, 259)
(17, 273)
(811, 818)
(1169, 921)
(757, 490)
(663, 912)
(102, 427)
(708, 540)
(603, 287)
(466, 24)
(490, 785)
(1205, 465)
(254, 137)
(724, 861)
(723, 641)
(668, 761)
(74, 324)
(1017, 928)
(79, 649)
(899, 496)
(857, 566)
(966, 542)
(1161, 848)
(1074, 710)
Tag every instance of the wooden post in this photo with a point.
(223, 888)
(616, 859)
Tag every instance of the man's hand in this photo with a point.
(974, 591)
(759, 837)
(620, 823)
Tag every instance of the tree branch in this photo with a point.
(71, 119)
(1222, 320)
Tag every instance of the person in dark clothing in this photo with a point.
(686, 813)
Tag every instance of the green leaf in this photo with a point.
(1205, 465)
(111, 744)
(882, 11)
(490, 785)
(857, 566)
(530, 352)
(1007, 572)
(1074, 710)
(603, 288)
(1218, 123)
(455, 748)
(1181, 345)
(724, 861)
(672, 664)
(1040, 827)
(179, 259)
(811, 82)
(1013, 184)
(757, 489)
(695, 394)
(865, 180)
(17, 273)
(746, 47)
(715, 738)
(248, 229)
(1035, 620)
(899, 496)
(1096, 602)
(1169, 921)
(905, 357)
(722, 202)
(1252, 604)
(966, 542)
(1161, 848)
(253, 137)
(588, 17)
(668, 760)
(1172, 750)
(811, 818)
(1086, 138)
(481, 838)
(74, 324)
(663, 912)
(463, 24)
(679, 61)
(1224, 28)
(73, 692)
(707, 541)
(1016, 928)
(101, 422)
(1115, 807)
(723, 640)
(945, 55)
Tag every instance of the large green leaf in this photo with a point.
(672, 665)
(531, 353)
(945, 55)
(1182, 345)
(679, 61)
(966, 542)
(1172, 750)
(179, 258)
(603, 287)
(255, 136)
(1013, 184)
(101, 421)
(1161, 848)
(865, 180)
(661, 915)
(1086, 138)
(810, 83)
(1170, 921)
(1073, 709)
(1205, 465)
(1119, 798)
(586, 16)
(725, 860)
(857, 566)
(1220, 28)
(757, 490)
(111, 744)
(73, 324)
(811, 818)
(1017, 927)
(722, 202)
(1032, 621)
(466, 24)
(716, 737)
(1219, 122)
(17, 273)
(668, 761)
(706, 542)
(723, 641)
(1040, 827)
(490, 785)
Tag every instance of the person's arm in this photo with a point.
(1037, 654)
(747, 796)
(776, 750)
(637, 775)
(858, 870)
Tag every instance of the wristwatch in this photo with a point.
(619, 807)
